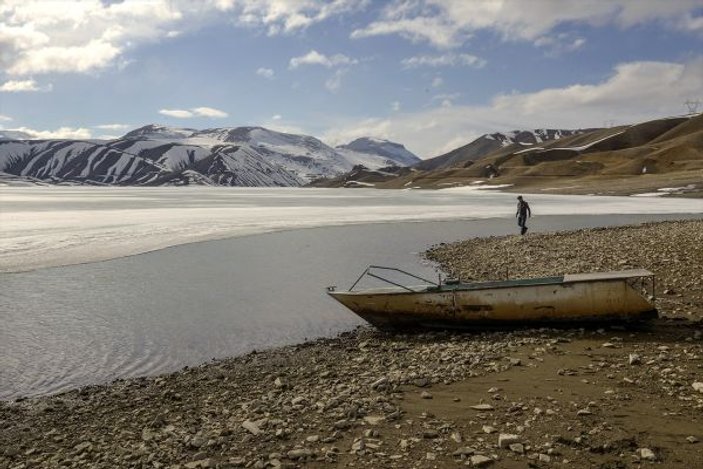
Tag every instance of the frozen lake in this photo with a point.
(56, 225)
(73, 325)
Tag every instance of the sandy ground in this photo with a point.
(606, 397)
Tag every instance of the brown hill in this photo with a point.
(644, 157)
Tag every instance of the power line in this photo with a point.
(692, 105)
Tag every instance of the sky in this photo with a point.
(430, 74)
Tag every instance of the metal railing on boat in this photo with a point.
(369, 272)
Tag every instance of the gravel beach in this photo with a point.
(605, 397)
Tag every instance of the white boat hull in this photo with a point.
(573, 299)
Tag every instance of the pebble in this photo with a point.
(482, 407)
(251, 427)
(480, 460)
(464, 451)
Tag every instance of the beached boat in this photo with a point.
(573, 298)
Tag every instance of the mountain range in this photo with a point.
(657, 157)
(661, 155)
(160, 155)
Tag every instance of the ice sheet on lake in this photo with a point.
(50, 226)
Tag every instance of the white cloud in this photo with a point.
(96, 54)
(434, 30)
(450, 23)
(446, 99)
(177, 113)
(194, 112)
(395, 106)
(315, 58)
(437, 82)
(286, 16)
(5, 118)
(209, 112)
(444, 60)
(559, 43)
(112, 126)
(691, 23)
(265, 72)
(19, 86)
(45, 36)
(276, 117)
(62, 36)
(70, 133)
(334, 83)
(635, 92)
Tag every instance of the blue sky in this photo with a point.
(431, 74)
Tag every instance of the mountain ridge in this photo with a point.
(155, 154)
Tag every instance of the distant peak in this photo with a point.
(160, 131)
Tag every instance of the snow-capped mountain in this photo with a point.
(531, 137)
(365, 151)
(155, 155)
(14, 135)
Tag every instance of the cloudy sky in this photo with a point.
(431, 74)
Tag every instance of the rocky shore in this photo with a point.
(609, 397)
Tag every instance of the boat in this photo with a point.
(626, 295)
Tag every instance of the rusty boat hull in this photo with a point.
(575, 298)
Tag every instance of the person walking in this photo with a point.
(522, 214)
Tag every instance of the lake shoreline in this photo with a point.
(599, 396)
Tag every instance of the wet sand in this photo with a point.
(601, 397)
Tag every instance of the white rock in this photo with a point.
(507, 439)
(646, 454)
(488, 429)
(517, 448)
(299, 453)
(297, 400)
(379, 383)
(634, 359)
(697, 386)
(251, 427)
(482, 407)
(374, 419)
(480, 460)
